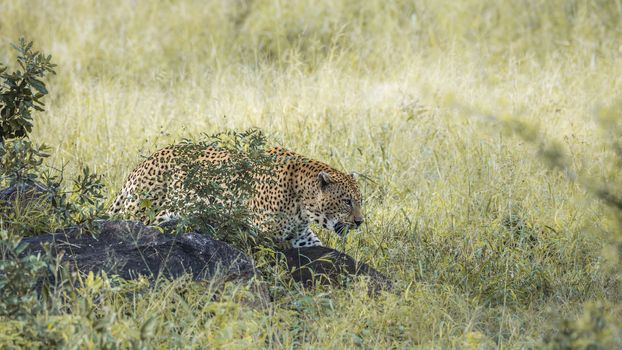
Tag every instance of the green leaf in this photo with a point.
(38, 85)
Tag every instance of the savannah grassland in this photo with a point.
(456, 112)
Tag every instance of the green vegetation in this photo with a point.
(201, 208)
(488, 132)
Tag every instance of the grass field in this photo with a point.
(489, 246)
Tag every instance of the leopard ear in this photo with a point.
(325, 179)
(354, 175)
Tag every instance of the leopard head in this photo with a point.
(336, 201)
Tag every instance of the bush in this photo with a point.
(22, 91)
(215, 197)
(39, 200)
(18, 276)
(36, 199)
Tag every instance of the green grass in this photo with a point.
(489, 247)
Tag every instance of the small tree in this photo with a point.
(21, 160)
(22, 91)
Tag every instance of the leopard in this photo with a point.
(298, 191)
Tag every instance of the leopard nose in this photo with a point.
(358, 222)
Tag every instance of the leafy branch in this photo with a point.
(21, 91)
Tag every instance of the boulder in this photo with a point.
(26, 193)
(130, 249)
(326, 266)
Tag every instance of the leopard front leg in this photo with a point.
(306, 239)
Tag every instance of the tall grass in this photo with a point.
(489, 247)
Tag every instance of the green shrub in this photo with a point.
(41, 200)
(591, 330)
(215, 196)
(22, 90)
(37, 198)
(18, 277)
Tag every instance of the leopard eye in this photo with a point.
(348, 201)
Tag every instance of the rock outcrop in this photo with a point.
(323, 265)
(130, 249)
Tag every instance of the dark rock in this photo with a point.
(322, 265)
(130, 249)
(24, 192)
